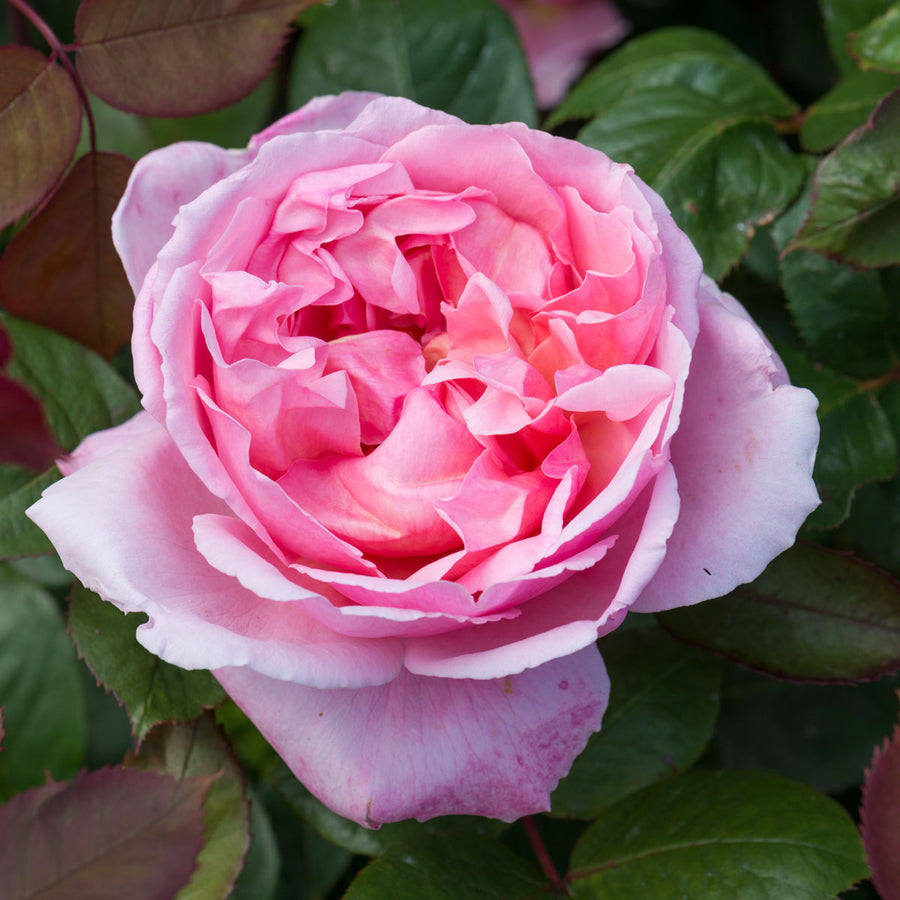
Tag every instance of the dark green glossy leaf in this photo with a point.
(845, 107)
(874, 521)
(845, 17)
(662, 710)
(199, 749)
(819, 734)
(877, 46)
(181, 57)
(720, 836)
(857, 444)
(40, 690)
(692, 115)
(467, 866)
(109, 834)
(855, 212)
(742, 177)
(703, 64)
(847, 317)
(151, 690)
(19, 488)
(850, 319)
(259, 878)
(813, 615)
(461, 56)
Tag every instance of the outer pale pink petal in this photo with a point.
(421, 747)
(160, 183)
(743, 454)
(122, 522)
(328, 113)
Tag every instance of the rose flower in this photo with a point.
(429, 407)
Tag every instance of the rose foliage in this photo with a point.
(429, 407)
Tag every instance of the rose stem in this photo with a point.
(540, 851)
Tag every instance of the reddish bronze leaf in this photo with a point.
(880, 822)
(40, 122)
(62, 270)
(113, 833)
(182, 57)
(25, 439)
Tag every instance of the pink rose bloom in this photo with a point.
(429, 407)
(559, 36)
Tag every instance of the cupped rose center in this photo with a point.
(396, 358)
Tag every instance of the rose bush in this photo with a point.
(429, 407)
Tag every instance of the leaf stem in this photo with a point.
(875, 384)
(540, 851)
(58, 53)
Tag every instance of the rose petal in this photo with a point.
(383, 502)
(559, 37)
(744, 455)
(570, 603)
(421, 747)
(160, 184)
(136, 549)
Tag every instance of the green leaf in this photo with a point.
(39, 126)
(743, 176)
(461, 56)
(855, 212)
(179, 58)
(877, 46)
(259, 878)
(79, 391)
(199, 749)
(850, 319)
(847, 317)
(720, 836)
(874, 521)
(19, 488)
(151, 690)
(80, 394)
(845, 107)
(857, 443)
(845, 17)
(662, 710)
(357, 839)
(694, 117)
(110, 833)
(801, 731)
(813, 615)
(704, 64)
(467, 866)
(856, 446)
(40, 690)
